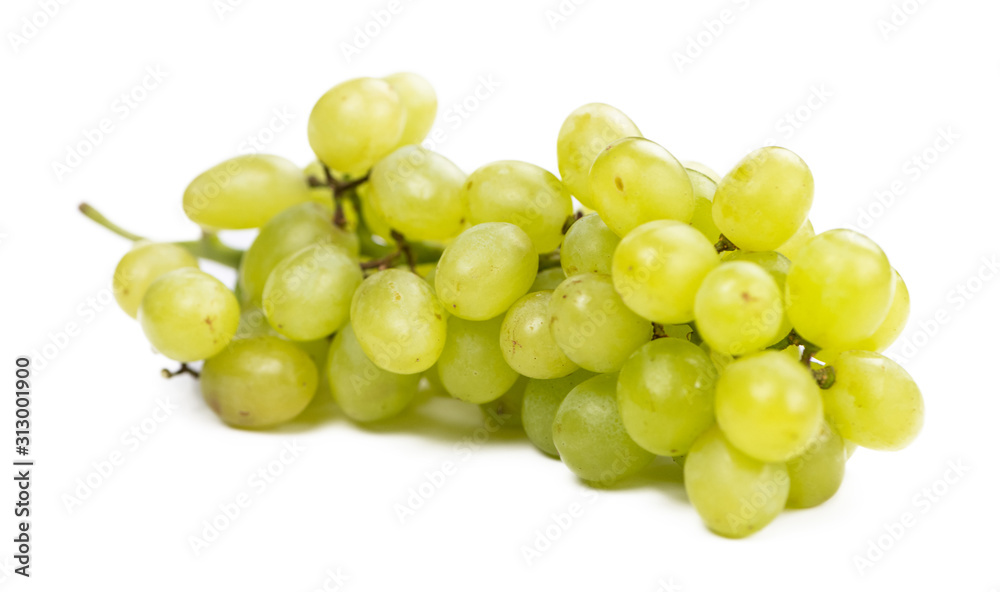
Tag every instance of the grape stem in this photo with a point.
(825, 376)
(549, 260)
(340, 189)
(402, 248)
(658, 331)
(570, 220)
(725, 244)
(184, 369)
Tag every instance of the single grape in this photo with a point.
(259, 382)
(702, 169)
(666, 395)
(141, 266)
(589, 435)
(373, 220)
(588, 246)
(308, 295)
(188, 315)
(471, 366)
(768, 405)
(592, 325)
(420, 103)
(585, 133)
(762, 202)
(505, 412)
(485, 270)
(839, 289)
(773, 263)
(522, 194)
(526, 339)
(541, 402)
(658, 268)
(895, 320)
(362, 390)
(816, 474)
(735, 495)
(704, 192)
(399, 322)
(548, 279)
(874, 402)
(739, 309)
(635, 181)
(792, 246)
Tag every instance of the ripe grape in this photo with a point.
(704, 192)
(791, 247)
(816, 474)
(526, 339)
(548, 279)
(420, 103)
(141, 266)
(541, 402)
(895, 320)
(362, 390)
(702, 169)
(589, 246)
(471, 366)
(739, 309)
(506, 411)
(585, 133)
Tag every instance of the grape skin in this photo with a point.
(704, 192)
(589, 246)
(541, 402)
(739, 309)
(419, 102)
(362, 390)
(548, 279)
(584, 134)
(471, 366)
(816, 474)
(141, 266)
(526, 339)
(894, 323)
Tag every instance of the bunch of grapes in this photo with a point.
(676, 314)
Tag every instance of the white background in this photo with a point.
(888, 94)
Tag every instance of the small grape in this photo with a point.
(739, 309)
(585, 133)
(143, 265)
(548, 279)
(703, 170)
(589, 246)
(541, 402)
(792, 246)
(526, 339)
(816, 474)
(704, 192)
(506, 411)
(362, 390)
(894, 323)
(420, 103)
(471, 366)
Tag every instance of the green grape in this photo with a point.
(677, 331)
(816, 474)
(399, 321)
(259, 382)
(762, 202)
(839, 289)
(541, 402)
(245, 192)
(506, 411)
(589, 435)
(362, 390)
(526, 339)
(874, 402)
(849, 448)
(308, 295)
(592, 325)
(548, 279)
(420, 103)
(188, 315)
(702, 169)
(141, 266)
(704, 192)
(357, 123)
(485, 270)
(666, 395)
(739, 309)
(768, 405)
(471, 366)
(585, 133)
(373, 220)
(658, 268)
(894, 323)
(773, 263)
(522, 194)
(792, 246)
(588, 246)
(419, 193)
(635, 181)
(285, 234)
(735, 495)
(253, 323)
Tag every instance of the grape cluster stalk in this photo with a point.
(668, 312)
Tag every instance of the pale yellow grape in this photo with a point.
(768, 405)
(253, 323)
(666, 395)
(658, 268)
(523, 194)
(141, 266)
(739, 309)
(635, 181)
(398, 321)
(735, 495)
(245, 191)
(471, 366)
(259, 382)
(355, 124)
(526, 339)
(773, 263)
(839, 289)
(505, 412)
(541, 402)
(308, 295)
(589, 435)
(816, 474)
(420, 103)
(766, 198)
(592, 325)
(362, 390)
(894, 323)
(419, 193)
(373, 219)
(874, 402)
(188, 315)
(485, 270)
(792, 246)
(548, 279)
(585, 133)
(704, 192)
(589, 246)
(289, 232)
(702, 169)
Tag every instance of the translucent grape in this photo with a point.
(541, 402)
(420, 103)
(816, 474)
(373, 219)
(769, 406)
(589, 246)
(702, 169)
(666, 395)
(308, 295)
(485, 270)
(874, 401)
(895, 320)
(585, 133)
(739, 309)
(704, 193)
(506, 411)
(399, 322)
(592, 325)
(362, 390)
(658, 268)
(141, 266)
(762, 202)
(773, 263)
(471, 366)
(259, 382)
(548, 279)
(735, 495)
(791, 247)
(589, 435)
(188, 315)
(526, 339)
